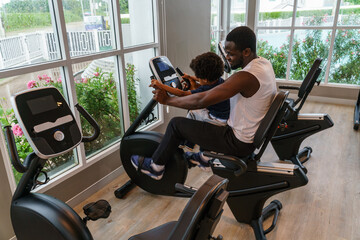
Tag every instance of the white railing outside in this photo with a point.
(28, 48)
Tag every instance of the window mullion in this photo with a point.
(291, 40)
(57, 14)
(120, 66)
(226, 14)
(251, 13)
(333, 35)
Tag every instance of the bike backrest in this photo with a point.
(309, 79)
(199, 217)
(270, 122)
(204, 208)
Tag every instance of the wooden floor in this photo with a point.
(328, 207)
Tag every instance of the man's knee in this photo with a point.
(176, 120)
(180, 125)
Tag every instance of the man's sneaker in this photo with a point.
(195, 158)
(145, 166)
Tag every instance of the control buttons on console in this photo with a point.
(59, 136)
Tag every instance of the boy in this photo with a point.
(208, 68)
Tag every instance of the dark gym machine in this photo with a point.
(296, 126)
(251, 182)
(51, 130)
(357, 113)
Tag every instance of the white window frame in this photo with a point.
(252, 19)
(65, 64)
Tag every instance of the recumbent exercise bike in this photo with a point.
(296, 126)
(251, 182)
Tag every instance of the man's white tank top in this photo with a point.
(246, 113)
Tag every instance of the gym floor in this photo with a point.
(327, 207)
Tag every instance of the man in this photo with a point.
(251, 91)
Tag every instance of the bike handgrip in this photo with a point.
(15, 160)
(92, 122)
(185, 79)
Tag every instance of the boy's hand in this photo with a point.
(192, 80)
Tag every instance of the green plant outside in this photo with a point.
(98, 95)
(22, 21)
(345, 59)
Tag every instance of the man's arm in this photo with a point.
(240, 82)
(175, 91)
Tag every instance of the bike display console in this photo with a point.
(164, 72)
(47, 121)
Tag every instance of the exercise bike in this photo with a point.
(51, 130)
(357, 113)
(251, 182)
(145, 143)
(295, 126)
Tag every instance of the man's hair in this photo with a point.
(243, 37)
(208, 66)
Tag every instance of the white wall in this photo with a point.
(187, 35)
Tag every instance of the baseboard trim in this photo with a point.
(85, 194)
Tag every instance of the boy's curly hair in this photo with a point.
(208, 66)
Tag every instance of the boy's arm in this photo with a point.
(174, 91)
(193, 81)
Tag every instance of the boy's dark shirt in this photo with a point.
(219, 110)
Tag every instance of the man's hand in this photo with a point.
(160, 96)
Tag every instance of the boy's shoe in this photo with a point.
(145, 166)
(195, 158)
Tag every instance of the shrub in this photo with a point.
(345, 59)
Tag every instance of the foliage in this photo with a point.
(124, 6)
(16, 21)
(98, 95)
(278, 57)
(345, 60)
(346, 57)
(263, 16)
(355, 2)
(131, 82)
(213, 45)
(27, 14)
(26, 6)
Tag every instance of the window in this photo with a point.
(95, 52)
(293, 33)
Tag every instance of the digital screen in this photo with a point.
(42, 104)
(163, 66)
